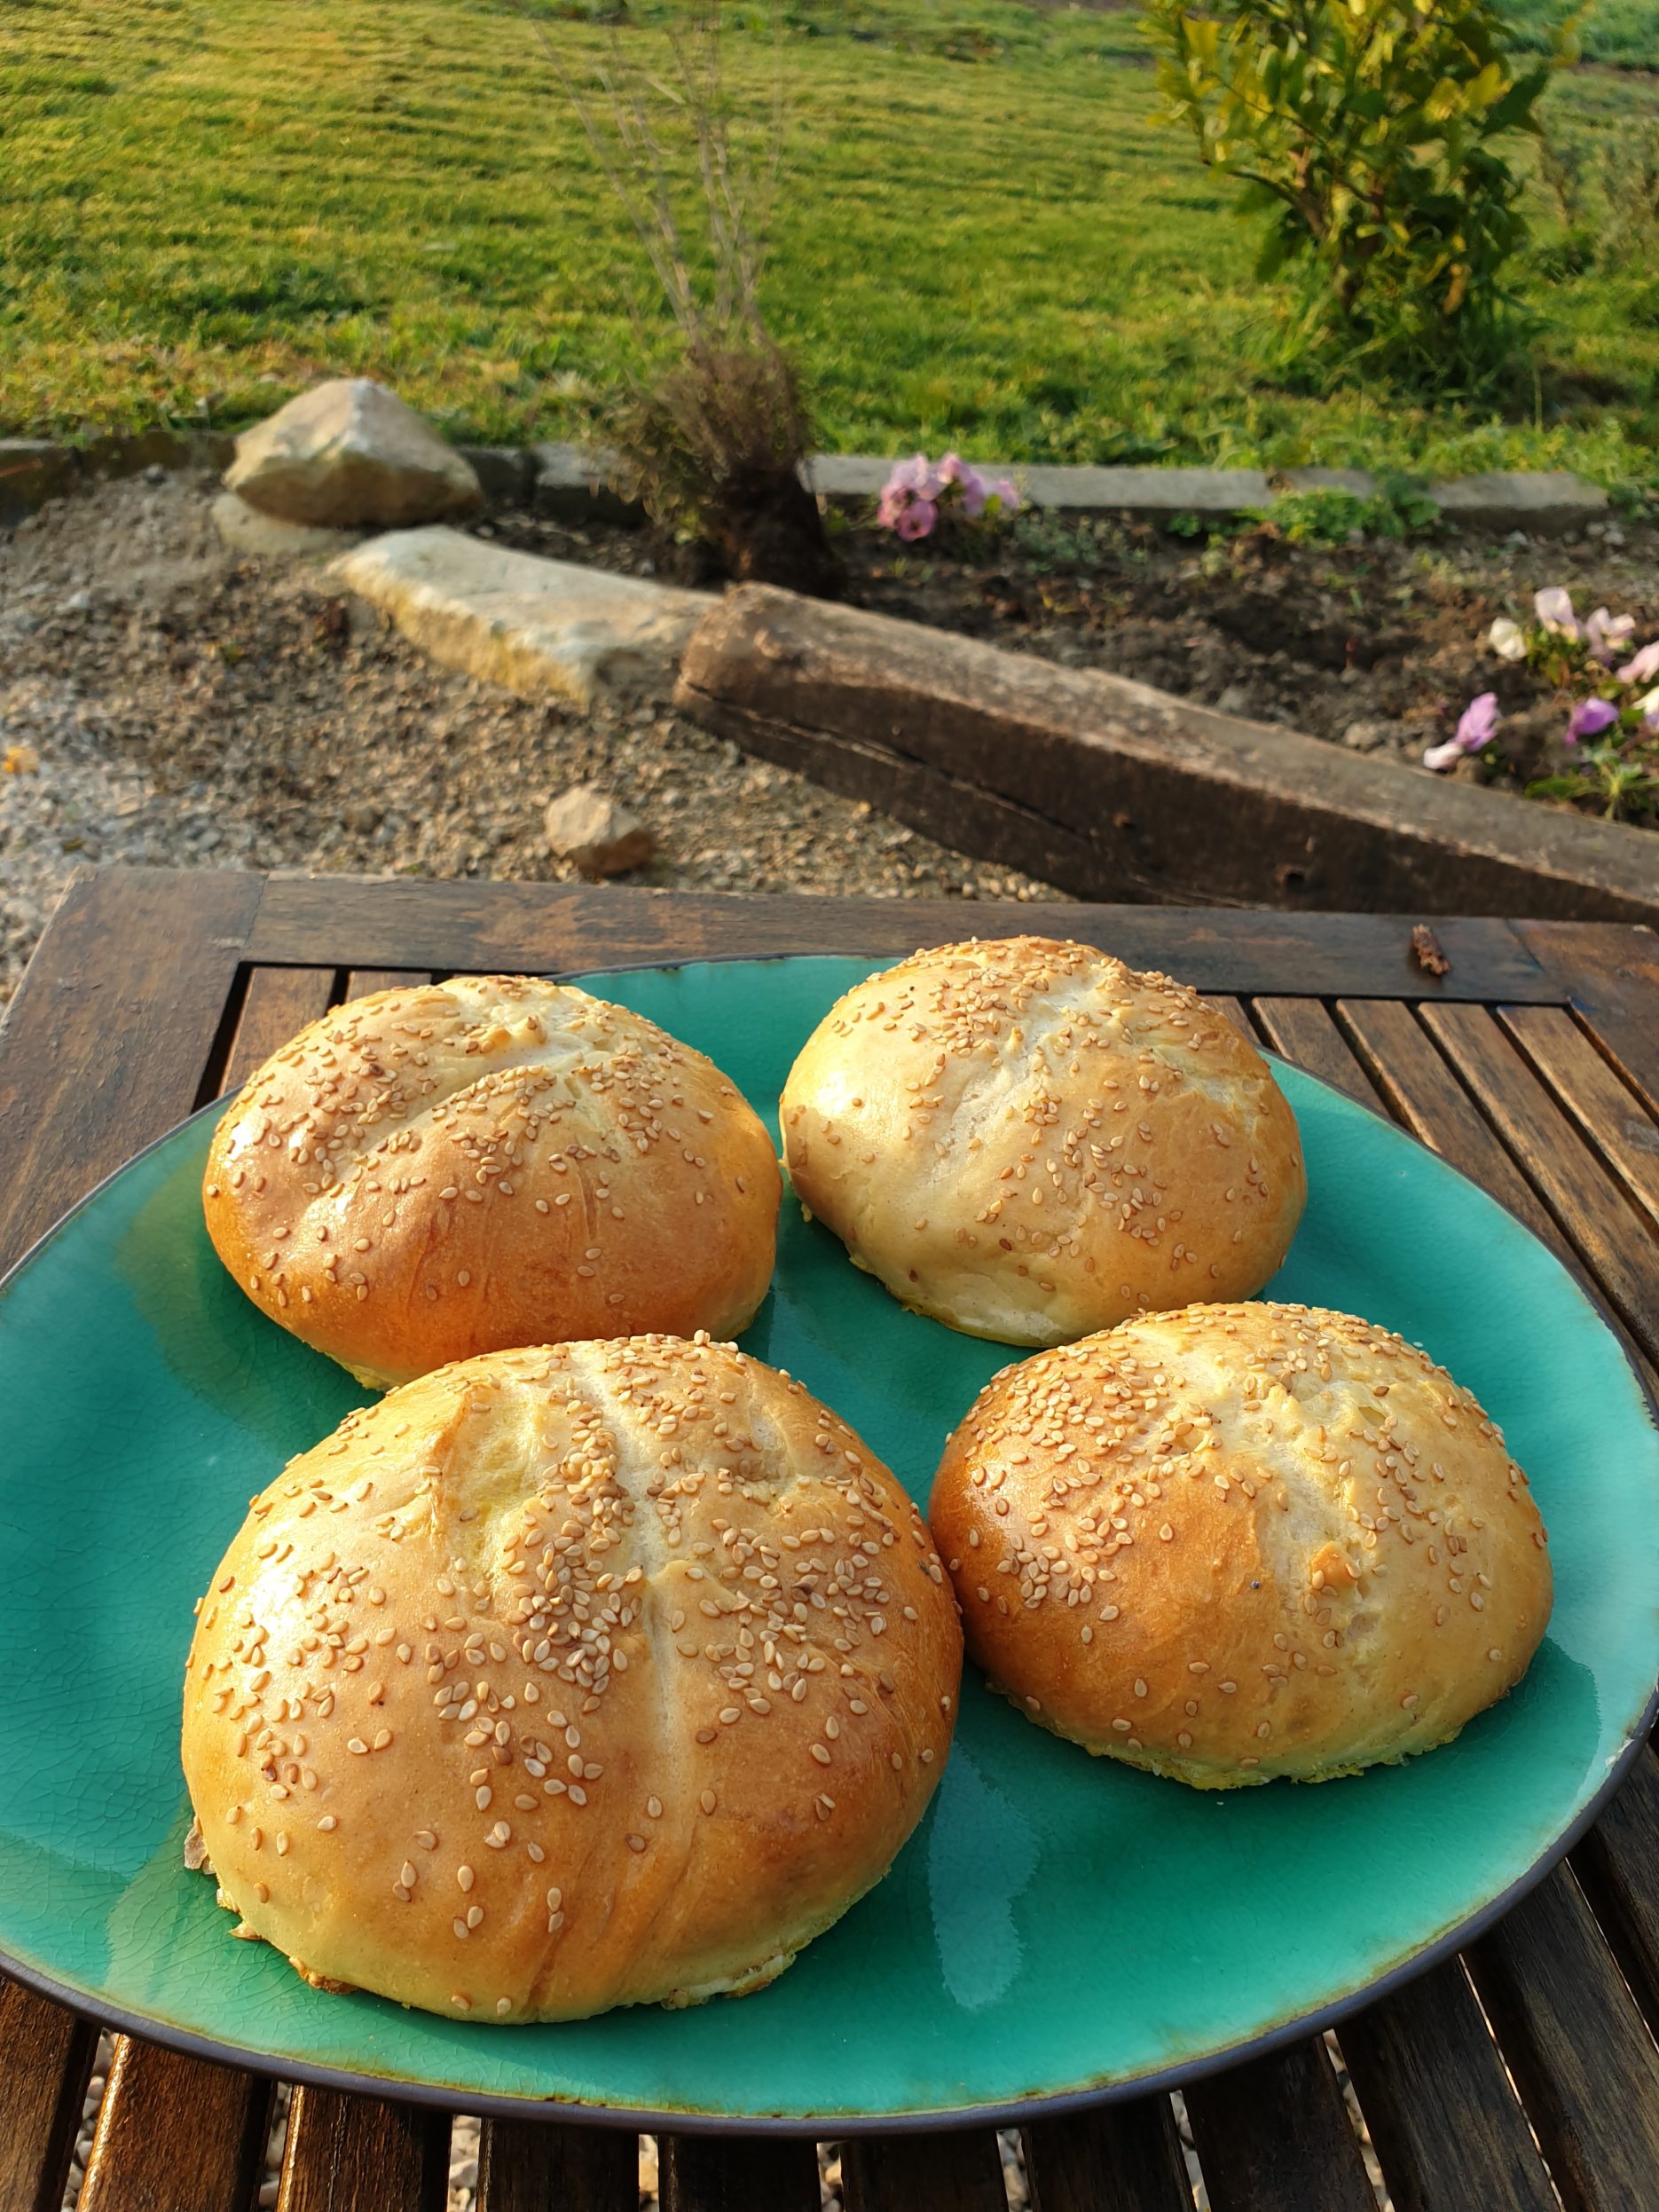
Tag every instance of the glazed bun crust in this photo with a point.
(566, 1679)
(456, 1168)
(1242, 1542)
(1029, 1141)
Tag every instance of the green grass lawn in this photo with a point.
(985, 238)
(1624, 34)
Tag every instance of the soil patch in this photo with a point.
(1378, 647)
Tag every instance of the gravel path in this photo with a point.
(163, 700)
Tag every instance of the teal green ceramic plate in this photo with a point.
(1058, 1928)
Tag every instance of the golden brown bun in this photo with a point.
(628, 1653)
(1030, 1141)
(456, 1168)
(1242, 1542)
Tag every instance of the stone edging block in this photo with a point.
(542, 628)
(572, 485)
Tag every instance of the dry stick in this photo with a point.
(662, 243)
(737, 204)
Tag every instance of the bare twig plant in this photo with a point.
(715, 439)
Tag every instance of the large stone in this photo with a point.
(245, 529)
(586, 826)
(543, 628)
(350, 455)
(1112, 790)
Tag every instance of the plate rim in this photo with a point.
(829, 2125)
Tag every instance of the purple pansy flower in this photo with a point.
(1477, 726)
(1589, 718)
(1006, 496)
(918, 520)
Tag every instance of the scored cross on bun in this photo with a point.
(454, 1167)
(605, 1674)
(1030, 1141)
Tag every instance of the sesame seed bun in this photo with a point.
(1029, 1141)
(1242, 1542)
(456, 1168)
(605, 1674)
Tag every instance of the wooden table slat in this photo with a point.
(349, 2153)
(62, 1071)
(1607, 1111)
(1305, 1032)
(1421, 1091)
(1442, 2114)
(1124, 2158)
(1601, 1223)
(1274, 2136)
(46, 2062)
(959, 2172)
(278, 1003)
(1586, 2066)
(546, 2166)
(1610, 976)
(361, 981)
(711, 2173)
(553, 928)
(175, 2134)
(1617, 1864)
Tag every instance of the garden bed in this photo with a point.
(1376, 647)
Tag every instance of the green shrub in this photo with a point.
(1369, 131)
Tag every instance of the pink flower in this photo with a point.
(1645, 664)
(1589, 718)
(1605, 634)
(915, 475)
(918, 520)
(1477, 726)
(954, 470)
(1555, 609)
(1006, 496)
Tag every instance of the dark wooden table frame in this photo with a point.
(1523, 2074)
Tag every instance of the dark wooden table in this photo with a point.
(1523, 2074)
